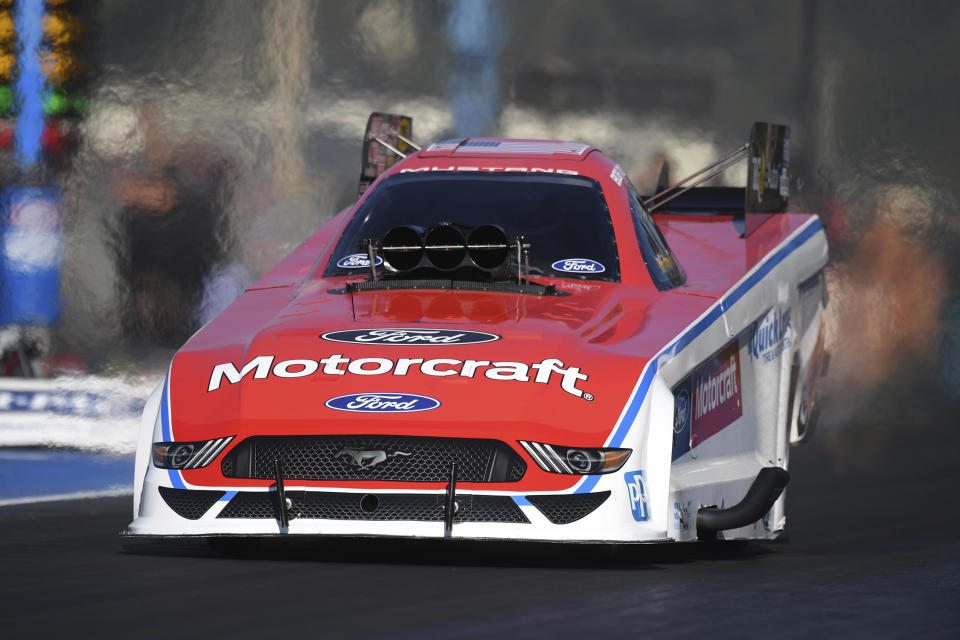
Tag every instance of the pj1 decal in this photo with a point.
(708, 400)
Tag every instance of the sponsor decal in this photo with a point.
(617, 175)
(708, 400)
(382, 403)
(716, 394)
(637, 491)
(263, 367)
(564, 172)
(358, 261)
(363, 460)
(681, 514)
(681, 411)
(578, 265)
(771, 335)
(415, 337)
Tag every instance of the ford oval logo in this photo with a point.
(418, 337)
(382, 403)
(357, 261)
(578, 265)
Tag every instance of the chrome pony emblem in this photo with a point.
(363, 460)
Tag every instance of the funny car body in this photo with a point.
(501, 339)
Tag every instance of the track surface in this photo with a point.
(873, 551)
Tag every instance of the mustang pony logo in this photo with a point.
(363, 460)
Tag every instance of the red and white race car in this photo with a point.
(499, 340)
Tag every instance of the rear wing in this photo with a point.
(387, 138)
(768, 182)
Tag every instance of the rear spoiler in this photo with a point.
(768, 182)
(387, 138)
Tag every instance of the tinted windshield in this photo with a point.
(563, 218)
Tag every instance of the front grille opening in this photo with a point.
(374, 457)
(328, 505)
(189, 503)
(568, 507)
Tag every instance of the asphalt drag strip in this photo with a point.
(871, 551)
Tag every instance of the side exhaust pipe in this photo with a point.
(760, 497)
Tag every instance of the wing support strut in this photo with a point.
(451, 502)
(282, 507)
(711, 170)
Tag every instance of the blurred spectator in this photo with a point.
(172, 238)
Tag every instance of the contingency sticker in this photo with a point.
(708, 400)
(578, 265)
(637, 493)
(357, 261)
(771, 335)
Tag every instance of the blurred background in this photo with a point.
(158, 157)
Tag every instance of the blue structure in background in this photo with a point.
(31, 250)
(31, 240)
(476, 37)
(27, 473)
(28, 85)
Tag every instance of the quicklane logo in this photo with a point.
(382, 403)
(637, 490)
(409, 336)
(357, 261)
(578, 265)
(771, 335)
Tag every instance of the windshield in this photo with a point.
(563, 218)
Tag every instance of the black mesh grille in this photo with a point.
(568, 507)
(370, 457)
(188, 503)
(248, 504)
(389, 506)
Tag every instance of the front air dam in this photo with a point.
(760, 497)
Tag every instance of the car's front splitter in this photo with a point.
(600, 516)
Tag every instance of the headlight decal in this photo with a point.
(576, 460)
(187, 455)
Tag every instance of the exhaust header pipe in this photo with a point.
(402, 248)
(445, 247)
(488, 246)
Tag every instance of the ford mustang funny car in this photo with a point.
(502, 339)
